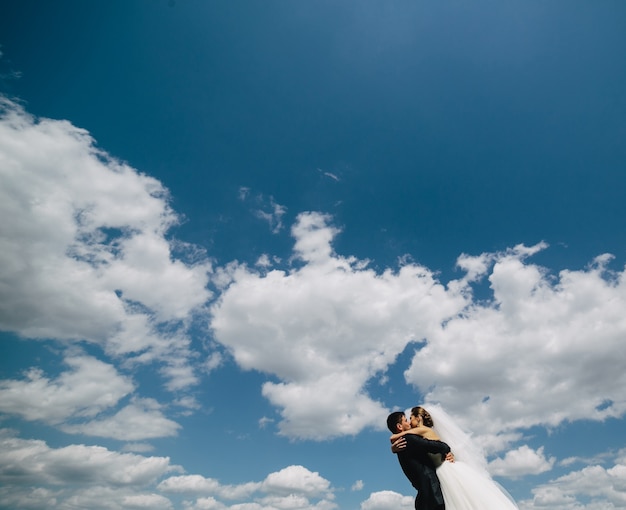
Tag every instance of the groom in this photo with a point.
(417, 465)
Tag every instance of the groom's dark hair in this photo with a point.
(392, 421)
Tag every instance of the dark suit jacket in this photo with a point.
(420, 470)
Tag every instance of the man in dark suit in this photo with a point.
(417, 464)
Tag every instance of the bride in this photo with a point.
(465, 483)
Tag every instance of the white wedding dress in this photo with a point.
(466, 483)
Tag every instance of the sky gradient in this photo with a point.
(236, 235)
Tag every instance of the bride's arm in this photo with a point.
(419, 431)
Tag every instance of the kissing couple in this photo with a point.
(443, 463)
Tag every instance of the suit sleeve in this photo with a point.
(430, 445)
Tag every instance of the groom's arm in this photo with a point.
(428, 445)
(398, 445)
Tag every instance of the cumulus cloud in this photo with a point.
(86, 254)
(88, 388)
(87, 257)
(522, 461)
(141, 419)
(325, 328)
(78, 464)
(81, 476)
(32, 473)
(78, 400)
(297, 479)
(101, 498)
(293, 487)
(191, 484)
(387, 500)
(541, 343)
(600, 487)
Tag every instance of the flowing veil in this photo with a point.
(463, 446)
(467, 451)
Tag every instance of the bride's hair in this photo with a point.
(426, 418)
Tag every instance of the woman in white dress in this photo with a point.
(465, 483)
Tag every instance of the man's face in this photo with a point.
(405, 424)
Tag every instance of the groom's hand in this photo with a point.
(398, 445)
(450, 457)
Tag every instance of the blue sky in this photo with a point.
(237, 234)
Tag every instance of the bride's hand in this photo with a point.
(398, 445)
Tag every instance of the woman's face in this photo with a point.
(416, 421)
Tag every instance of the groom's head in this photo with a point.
(397, 422)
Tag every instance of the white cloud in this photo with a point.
(297, 479)
(263, 261)
(138, 447)
(141, 419)
(330, 325)
(293, 502)
(273, 216)
(74, 465)
(213, 361)
(329, 174)
(12, 497)
(87, 391)
(325, 329)
(34, 475)
(542, 343)
(314, 236)
(108, 498)
(190, 484)
(85, 255)
(209, 503)
(522, 461)
(264, 421)
(150, 501)
(267, 210)
(388, 500)
(357, 486)
(293, 487)
(179, 374)
(244, 192)
(600, 487)
(187, 402)
(89, 387)
(331, 406)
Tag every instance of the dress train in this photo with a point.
(466, 483)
